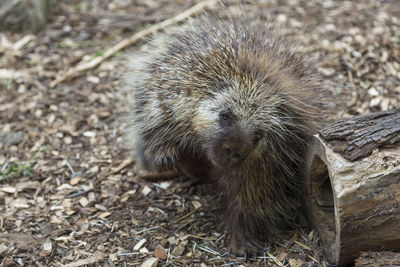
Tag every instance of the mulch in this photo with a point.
(69, 191)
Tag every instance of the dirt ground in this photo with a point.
(69, 193)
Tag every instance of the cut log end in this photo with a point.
(354, 206)
(320, 205)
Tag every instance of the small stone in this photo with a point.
(67, 28)
(281, 18)
(38, 113)
(68, 140)
(89, 134)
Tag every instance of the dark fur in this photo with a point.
(233, 102)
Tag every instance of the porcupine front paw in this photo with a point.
(243, 247)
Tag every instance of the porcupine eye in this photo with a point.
(225, 118)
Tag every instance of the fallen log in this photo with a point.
(353, 185)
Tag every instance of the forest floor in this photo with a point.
(69, 193)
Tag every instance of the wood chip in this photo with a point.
(96, 257)
(83, 201)
(295, 263)
(75, 180)
(126, 163)
(8, 189)
(47, 246)
(8, 262)
(178, 250)
(146, 190)
(139, 244)
(150, 262)
(160, 253)
(144, 250)
(105, 214)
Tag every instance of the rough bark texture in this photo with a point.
(355, 205)
(23, 15)
(358, 137)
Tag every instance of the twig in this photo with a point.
(219, 238)
(146, 230)
(302, 245)
(292, 240)
(209, 250)
(188, 214)
(78, 194)
(127, 254)
(126, 163)
(275, 259)
(83, 66)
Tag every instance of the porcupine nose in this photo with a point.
(235, 151)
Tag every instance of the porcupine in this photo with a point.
(233, 102)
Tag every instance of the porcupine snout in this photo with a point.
(231, 148)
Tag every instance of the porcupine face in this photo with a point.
(232, 131)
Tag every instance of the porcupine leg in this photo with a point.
(242, 241)
(241, 222)
(142, 161)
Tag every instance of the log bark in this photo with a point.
(355, 204)
(358, 137)
(23, 15)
